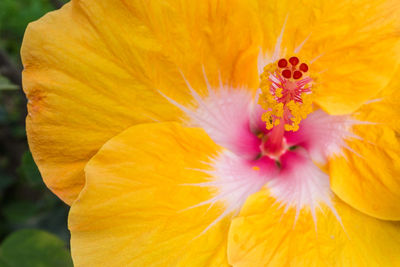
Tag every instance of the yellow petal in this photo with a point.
(263, 235)
(368, 176)
(357, 45)
(134, 211)
(94, 68)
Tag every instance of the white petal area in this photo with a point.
(234, 179)
(225, 115)
(301, 184)
(256, 112)
(323, 135)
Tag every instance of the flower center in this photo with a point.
(286, 97)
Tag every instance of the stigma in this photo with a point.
(286, 93)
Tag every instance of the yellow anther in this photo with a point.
(284, 100)
(278, 92)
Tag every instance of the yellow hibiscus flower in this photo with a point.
(150, 119)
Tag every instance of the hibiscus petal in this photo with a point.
(323, 135)
(138, 208)
(264, 235)
(368, 179)
(94, 68)
(353, 46)
(301, 183)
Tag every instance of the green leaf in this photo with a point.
(14, 17)
(5, 84)
(6, 87)
(34, 248)
(29, 171)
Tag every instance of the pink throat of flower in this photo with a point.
(274, 143)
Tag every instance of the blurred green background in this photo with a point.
(33, 222)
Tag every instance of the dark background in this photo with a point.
(33, 221)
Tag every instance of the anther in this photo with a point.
(287, 74)
(297, 75)
(282, 63)
(286, 99)
(294, 61)
(303, 67)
